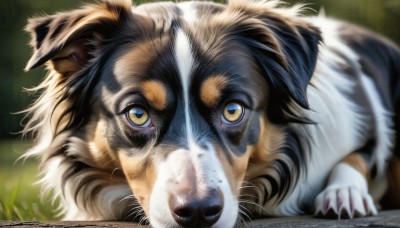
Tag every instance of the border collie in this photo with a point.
(200, 114)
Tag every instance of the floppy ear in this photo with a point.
(284, 46)
(68, 39)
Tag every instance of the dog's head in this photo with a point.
(185, 99)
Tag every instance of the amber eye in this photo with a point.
(233, 113)
(138, 117)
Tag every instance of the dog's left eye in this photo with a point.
(232, 113)
(138, 117)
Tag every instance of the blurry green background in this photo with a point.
(19, 200)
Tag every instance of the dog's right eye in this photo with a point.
(138, 117)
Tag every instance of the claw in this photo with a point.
(344, 203)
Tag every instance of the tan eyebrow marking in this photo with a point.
(211, 89)
(155, 93)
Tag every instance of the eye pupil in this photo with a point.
(232, 109)
(139, 114)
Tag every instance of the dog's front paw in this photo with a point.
(344, 202)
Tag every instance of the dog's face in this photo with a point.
(182, 106)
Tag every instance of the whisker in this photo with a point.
(255, 204)
(244, 214)
(240, 220)
(244, 208)
(143, 220)
(251, 196)
(114, 170)
(138, 212)
(126, 198)
(243, 220)
(136, 208)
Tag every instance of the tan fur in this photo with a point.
(155, 93)
(75, 26)
(141, 175)
(133, 62)
(356, 161)
(255, 160)
(210, 92)
(236, 169)
(270, 140)
(65, 66)
(99, 148)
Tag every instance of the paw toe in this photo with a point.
(344, 203)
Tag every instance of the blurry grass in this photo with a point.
(19, 198)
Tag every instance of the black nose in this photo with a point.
(191, 211)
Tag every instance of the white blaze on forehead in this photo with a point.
(184, 60)
(189, 12)
(196, 162)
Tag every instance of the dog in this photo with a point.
(200, 114)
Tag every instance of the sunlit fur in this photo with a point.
(312, 103)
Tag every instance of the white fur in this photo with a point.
(340, 123)
(347, 192)
(216, 177)
(184, 59)
(384, 138)
(336, 134)
(189, 11)
(108, 204)
(167, 173)
(383, 124)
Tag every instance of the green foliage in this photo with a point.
(19, 198)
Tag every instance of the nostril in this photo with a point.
(185, 216)
(186, 213)
(212, 211)
(182, 211)
(189, 211)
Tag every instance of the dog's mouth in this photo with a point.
(185, 190)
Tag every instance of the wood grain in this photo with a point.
(383, 219)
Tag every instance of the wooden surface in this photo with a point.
(384, 219)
